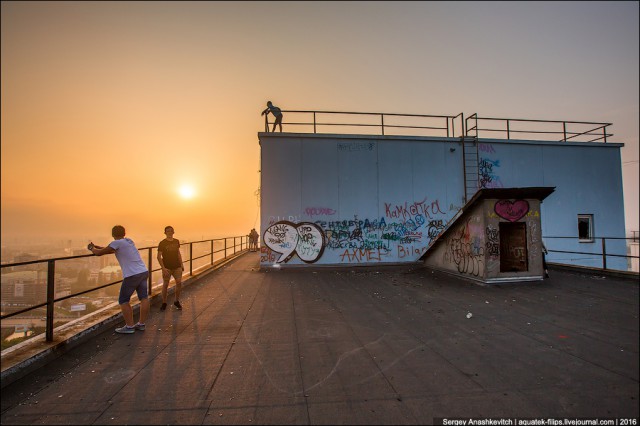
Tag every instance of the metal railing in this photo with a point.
(384, 123)
(442, 125)
(600, 250)
(574, 131)
(239, 241)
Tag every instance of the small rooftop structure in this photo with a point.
(496, 237)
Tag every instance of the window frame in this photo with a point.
(590, 238)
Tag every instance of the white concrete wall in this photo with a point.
(375, 199)
(350, 199)
(588, 180)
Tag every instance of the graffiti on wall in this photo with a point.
(487, 177)
(464, 249)
(511, 210)
(420, 210)
(493, 241)
(369, 233)
(434, 229)
(319, 211)
(356, 146)
(363, 255)
(484, 147)
(403, 232)
(287, 238)
(488, 166)
(290, 218)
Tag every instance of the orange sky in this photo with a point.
(109, 107)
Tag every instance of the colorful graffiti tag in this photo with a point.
(403, 232)
(487, 177)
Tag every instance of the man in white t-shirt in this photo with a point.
(134, 273)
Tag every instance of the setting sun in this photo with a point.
(186, 191)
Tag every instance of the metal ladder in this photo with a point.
(471, 166)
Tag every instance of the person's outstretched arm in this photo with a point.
(99, 251)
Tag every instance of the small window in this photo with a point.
(585, 228)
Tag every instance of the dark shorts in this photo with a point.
(137, 283)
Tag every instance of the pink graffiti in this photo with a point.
(410, 251)
(486, 147)
(319, 211)
(359, 255)
(512, 210)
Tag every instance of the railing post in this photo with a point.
(508, 132)
(564, 130)
(191, 259)
(454, 132)
(314, 122)
(477, 135)
(382, 120)
(212, 252)
(234, 245)
(150, 279)
(604, 254)
(604, 133)
(225, 247)
(51, 276)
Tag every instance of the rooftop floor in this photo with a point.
(387, 345)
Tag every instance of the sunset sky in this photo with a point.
(146, 113)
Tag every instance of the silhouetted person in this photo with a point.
(545, 252)
(276, 113)
(253, 240)
(170, 260)
(134, 273)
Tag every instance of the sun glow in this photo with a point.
(186, 191)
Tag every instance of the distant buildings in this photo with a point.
(22, 289)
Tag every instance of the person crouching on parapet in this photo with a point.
(134, 273)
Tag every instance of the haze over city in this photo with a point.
(146, 114)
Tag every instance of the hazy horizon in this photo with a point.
(146, 114)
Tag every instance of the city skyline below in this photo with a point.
(146, 114)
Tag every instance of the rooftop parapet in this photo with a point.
(393, 124)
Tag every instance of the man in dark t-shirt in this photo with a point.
(170, 260)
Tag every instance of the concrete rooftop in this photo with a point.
(386, 345)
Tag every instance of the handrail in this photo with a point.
(51, 299)
(468, 126)
(600, 130)
(448, 128)
(602, 253)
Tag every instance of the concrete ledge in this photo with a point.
(28, 356)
